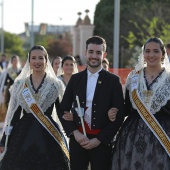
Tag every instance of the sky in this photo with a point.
(55, 12)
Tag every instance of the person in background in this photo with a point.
(31, 138)
(56, 62)
(105, 64)
(78, 60)
(90, 86)
(67, 69)
(168, 50)
(143, 142)
(3, 61)
(7, 78)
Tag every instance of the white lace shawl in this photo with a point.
(51, 83)
(161, 90)
(46, 95)
(50, 90)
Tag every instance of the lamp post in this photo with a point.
(116, 34)
(32, 25)
(2, 27)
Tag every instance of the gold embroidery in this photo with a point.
(12, 73)
(49, 126)
(46, 122)
(147, 95)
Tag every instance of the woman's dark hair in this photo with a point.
(38, 47)
(156, 40)
(13, 57)
(57, 57)
(68, 57)
(105, 60)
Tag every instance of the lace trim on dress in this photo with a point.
(160, 89)
(46, 96)
(13, 73)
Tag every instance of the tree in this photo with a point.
(154, 27)
(13, 44)
(138, 21)
(56, 45)
(61, 46)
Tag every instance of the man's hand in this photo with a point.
(90, 144)
(1, 149)
(80, 138)
(112, 114)
(68, 116)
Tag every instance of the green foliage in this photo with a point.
(152, 28)
(103, 21)
(56, 45)
(13, 44)
(134, 59)
(44, 40)
(139, 20)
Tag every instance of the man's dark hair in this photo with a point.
(96, 40)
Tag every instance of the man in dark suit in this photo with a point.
(98, 91)
(3, 62)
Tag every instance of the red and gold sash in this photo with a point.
(45, 121)
(148, 117)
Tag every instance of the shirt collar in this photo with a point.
(96, 74)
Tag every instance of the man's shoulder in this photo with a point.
(112, 76)
(79, 74)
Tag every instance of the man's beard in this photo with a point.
(94, 66)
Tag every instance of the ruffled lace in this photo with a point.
(160, 89)
(46, 96)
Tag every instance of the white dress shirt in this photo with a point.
(91, 86)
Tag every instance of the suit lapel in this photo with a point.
(81, 87)
(100, 81)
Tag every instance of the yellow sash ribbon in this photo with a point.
(148, 118)
(39, 115)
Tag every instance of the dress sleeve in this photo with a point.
(128, 104)
(57, 104)
(15, 119)
(8, 81)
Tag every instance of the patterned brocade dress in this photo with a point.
(136, 147)
(30, 145)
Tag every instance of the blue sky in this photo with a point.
(17, 12)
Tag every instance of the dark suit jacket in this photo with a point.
(2, 65)
(108, 93)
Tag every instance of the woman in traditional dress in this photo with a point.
(67, 69)
(56, 62)
(34, 141)
(13, 70)
(6, 80)
(144, 139)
